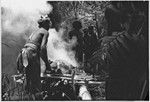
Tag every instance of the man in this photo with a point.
(76, 32)
(31, 53)
(93, 38)
(90, 42)
(114, 18)
(125, 52)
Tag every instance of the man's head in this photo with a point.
(77, 25)
(44, 22)
(91, 28)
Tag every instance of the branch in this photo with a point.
(6, 45)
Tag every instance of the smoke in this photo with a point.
(20, 16)
(60, 50)
(18, 20)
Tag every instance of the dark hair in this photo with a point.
(77, 25)
(91, 27)
(115, 3)
(44, 22)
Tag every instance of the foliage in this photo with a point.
(85, 11)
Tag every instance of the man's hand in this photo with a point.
(48, 67)
(45, 58)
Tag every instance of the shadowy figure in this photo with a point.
(125, 52)
(78, 35)
(90, 42)
(114, 18)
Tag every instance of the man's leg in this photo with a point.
(36, 82)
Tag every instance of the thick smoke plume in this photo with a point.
(19, 20)
(60, 50)
(20, 16)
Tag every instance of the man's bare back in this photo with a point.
(39, 37)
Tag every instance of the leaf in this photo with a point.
(120, 49)
(121, 39)
(114, 52)
(128, 36)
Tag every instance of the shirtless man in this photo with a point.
(39, 39)
(77, 33)
(31, 53)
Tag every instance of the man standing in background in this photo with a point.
(77, 33)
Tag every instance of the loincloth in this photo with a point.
(27, 54)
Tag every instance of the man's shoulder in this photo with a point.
(72, 31)
(42, 31)
(75, 32)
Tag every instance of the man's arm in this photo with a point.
(44, 50)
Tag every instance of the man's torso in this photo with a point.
(37, 37)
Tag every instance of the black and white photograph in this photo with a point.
(74, 50)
